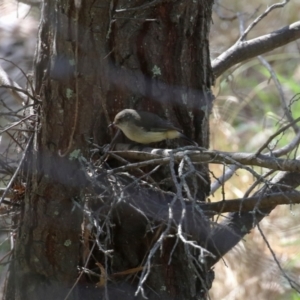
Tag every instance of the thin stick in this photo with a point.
(17, 170)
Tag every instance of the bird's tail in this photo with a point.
(188, 139)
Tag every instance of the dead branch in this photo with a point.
(238, 224)
(243, 50)
(17, 170)
(261, 16)
(252, 203)
(149, 156)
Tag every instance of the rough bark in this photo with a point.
(93, 60)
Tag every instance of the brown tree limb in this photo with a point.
(149, 156)
(261, 16)
(16, 91)
(238, 224)
(252, 203)
(242, 51)
(17, 170)
(245, 213)
(160, 208)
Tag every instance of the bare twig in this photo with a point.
(293, 284)
(231, 169)
(282, 129)
(242, 51)
(257, 182)
(15, 124)
(284, 106)
(81, 273)
(17, 170)
(19, 95)
(241, 159)
(260, 17)
(216, 9)
(287, 148)
(4, 79)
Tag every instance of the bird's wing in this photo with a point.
(156, 123)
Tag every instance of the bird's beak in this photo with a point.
(111, 125)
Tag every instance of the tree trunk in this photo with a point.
(93, 60)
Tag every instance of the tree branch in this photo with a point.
(252, 203)
(260, 17)
(149, 156)
(238, 224)
(241, 51)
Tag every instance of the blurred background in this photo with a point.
(18, 34)
(247, 110)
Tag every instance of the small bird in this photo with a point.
(145, 127)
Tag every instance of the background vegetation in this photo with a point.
(246, 112)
